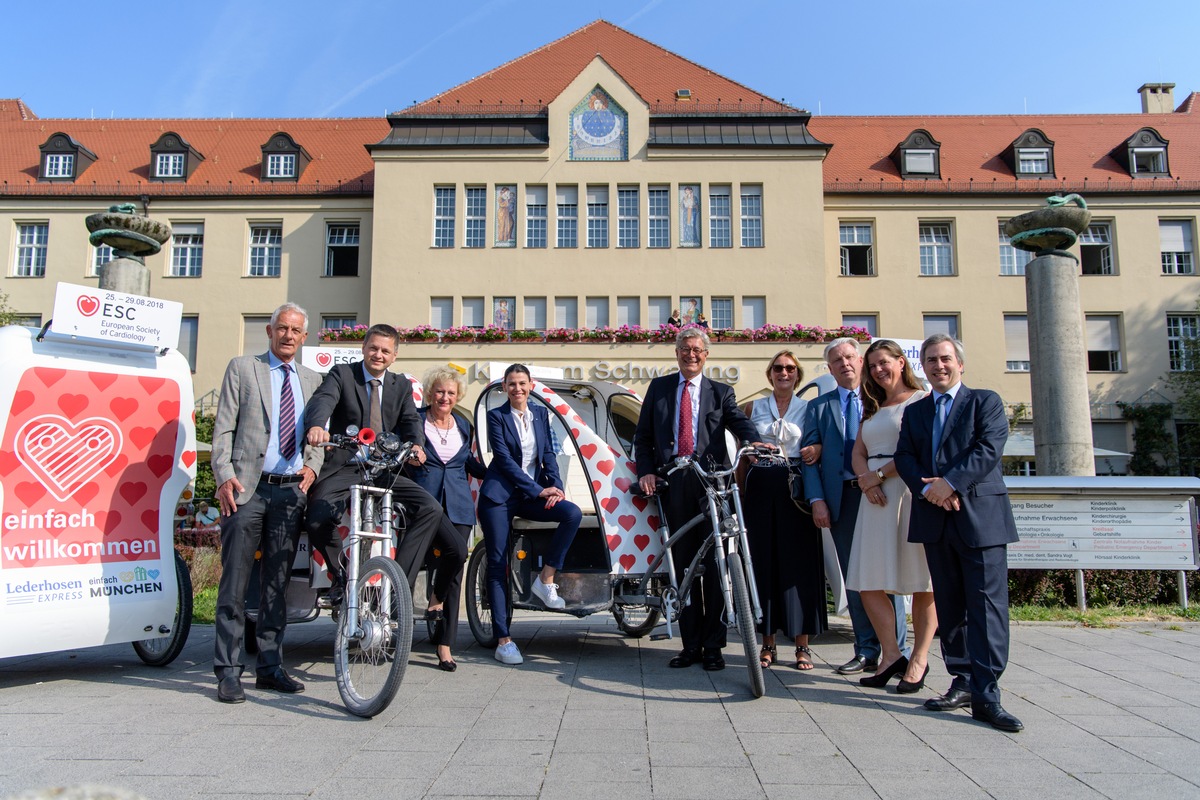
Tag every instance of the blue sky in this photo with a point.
(351, 58)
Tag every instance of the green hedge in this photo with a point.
(1103, 587)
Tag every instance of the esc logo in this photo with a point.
(87, 305)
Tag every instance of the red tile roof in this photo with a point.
(531, 81)
(972, 148)
(231, 149)
(11, 109)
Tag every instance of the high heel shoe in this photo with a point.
(880, 679)
(909, 687)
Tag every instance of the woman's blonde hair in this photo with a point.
(442, 374)
(792, 356)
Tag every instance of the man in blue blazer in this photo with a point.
(949, 452)
(832, 490)
(711, 410)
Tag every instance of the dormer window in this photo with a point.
(283, 159)
(1144, 154)
(918, 156)
(63, 159)
(1031, 155)
(172, 158)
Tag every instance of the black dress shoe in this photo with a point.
(955, 698)
(911, 687)
(858, 664)
(280, 681)
(995, 715)
(685, 659)
(713, 660)
(880, 679)
(449, 665)
(229, 690)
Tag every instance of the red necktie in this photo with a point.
(287, 416)
(687, 444)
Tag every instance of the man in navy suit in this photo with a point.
(367, 395)
(687, 415)
(949, 456)
(832, 490)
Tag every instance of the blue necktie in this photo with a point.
(939, 422)
(852, 416)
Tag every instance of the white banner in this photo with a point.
(116, 317)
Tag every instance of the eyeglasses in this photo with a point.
(696, 351)
(783, 368)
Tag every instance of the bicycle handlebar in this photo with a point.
(384, 452)
(767, 453)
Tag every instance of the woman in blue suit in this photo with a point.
(448, 462)
(522, 480)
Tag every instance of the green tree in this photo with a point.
(7, 315)
(1184, 380)
(206, 484)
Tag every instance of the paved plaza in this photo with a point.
(1109, 713)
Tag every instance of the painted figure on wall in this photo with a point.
(691, 310)
(506, 216)
(599, 129)
(689, 216)
(501, 314)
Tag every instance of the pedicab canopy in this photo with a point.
(97, 441)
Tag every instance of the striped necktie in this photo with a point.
(287, 416)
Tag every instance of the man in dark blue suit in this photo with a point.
(668, 427)
(949, 455)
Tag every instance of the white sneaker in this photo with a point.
(547, 593)
(508, 653)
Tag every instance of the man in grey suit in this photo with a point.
(832, 490)
(263, 471)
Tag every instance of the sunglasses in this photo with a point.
(783, 368)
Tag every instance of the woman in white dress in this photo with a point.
(882, 560)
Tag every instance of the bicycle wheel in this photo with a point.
(745, 623)
(369, 669)
(634, 621)
(162, 650)
(479, 610)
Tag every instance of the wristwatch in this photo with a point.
(879, 473)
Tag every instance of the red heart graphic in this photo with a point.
(596, 486)
(29, 492)
(577, 418)
(610, 504)
(84, 494)
(641, 541)
(640, 503)
(188, 458)
(72, 404)
(108, 521)
(151, 385)
(159, 464)
(575, 432)
(87, 304)
(588, 451)
(64, 455)
(141, 437)
(8, 462)
(132, 492)
(606, 466)
(650, 559)
(623, 484)
(632, 467)
(627, 521)
(49, 377)
(654, 521)
(169, 409)
(122, 407)
(614, 541)
(150, 519)
(114, 469)
(21, 401)
(324, 359)
(102, 380)
(627, 561)
(563, 409)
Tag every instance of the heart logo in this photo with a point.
(627, 561)
(627, 521)
(132, 492)
(64, 455)
(640, 503)
(21, 401)
(654, 521)
(610, 504)
(188, 458)
(126, 576)
(623, 484)
(153, 573)
(588, 451)
(614, 541)
(606, 466)
(72, 404)
(159, 464)
(641, 541)
(87, 304)
(324, 360)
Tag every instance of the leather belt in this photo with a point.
(279, 480)
(852, 483)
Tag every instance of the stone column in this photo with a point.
(1062, 423)
(132, 237)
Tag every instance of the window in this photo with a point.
(535, 313)
(868, 322)
(858, 251)
(169, 165)
(32, 239)
(266, 250)
(937, 253)
(254, 335)
(1016, 343)
(918, 156)
(443, 216)
(596, 309)
(941, 323)
(754, 312)
(920, 162)
(187, 249)
(567, 198)
(659, 213)
(566, 312)
(60, 165)
(100, 256)
(441, 312)
(475, 226)
(336, 323)
(341, 250)
(1095, 249)
(1176, 238)
(281, 165)
(504, 312)
(472, 312)
(535, 216)
(752, 222)
(629, 311)
(1103, 342)
(283, 159)
(597, 220)
(1148, 160)
(1012, 260)
(659, 311)
(1033, 161)
(628, 220)
(720, 222)
(722, 314)
(27, 320)
(1182, 329)
(188, 328)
